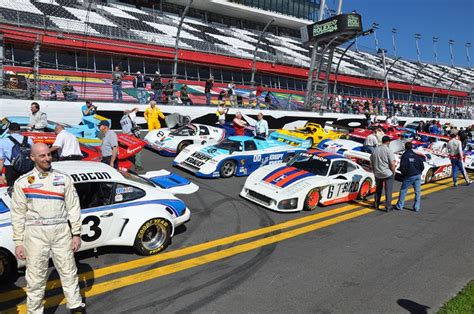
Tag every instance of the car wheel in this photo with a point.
(312, 200)
(364, 189)
(429, 176)
(7, 265)
(228, 168)
(288, 157)
(153, 236)
(310, 139)
(182, 146)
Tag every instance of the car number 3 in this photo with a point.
(93, 223)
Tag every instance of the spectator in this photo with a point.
(383, 165)
(220, 113)
(221, 98)
(268, 99)
(411, 167)
(157, 88)
(68, 91)
(6, 152)
(89, 109)
(130, 127)
(153, 115)
(46, 225)
(371, 142)
(53, 94)
(38, 119)
(184, 96)
(261, 127)
(379, 133)
(258, 94)
(231, 94)
(117, 77)
(109, 146)
(367, 118)
(239, 124)
(456, 155)
(67, 145)
(139, 83)
(169, 91)
(208, 88)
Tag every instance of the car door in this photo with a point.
(344, 181)
(97, 216)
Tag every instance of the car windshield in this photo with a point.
(132, 176)
(63, 124)
(311, 163)
(230, 145)
(185, 130)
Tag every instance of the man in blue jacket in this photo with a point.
(411, 167)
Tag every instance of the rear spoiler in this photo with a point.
(129, 145)
(291, 140)
(360, 158)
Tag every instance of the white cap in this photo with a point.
(138, 72)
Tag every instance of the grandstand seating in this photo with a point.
(120, 21)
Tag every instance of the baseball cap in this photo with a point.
(14, 126)
(104, 122)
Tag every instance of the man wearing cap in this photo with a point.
(109, 146)
(383, 165)
(6, 147)
(139, 82)
(67, 144)
(153, 115)
(88, 109)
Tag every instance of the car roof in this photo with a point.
(86, 167)
(325, 154)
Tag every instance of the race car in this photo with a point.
(311, 132)
(308, 180)
(170, 142)
(339, 146)
(236, 155)
(394, 132)
(130, 210)
(469, 156)
(87, 132)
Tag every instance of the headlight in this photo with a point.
(291, 203)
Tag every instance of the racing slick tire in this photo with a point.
(364, 189)
(312, 200)
(228, 169)
(310, 139)
(153, 236)
(182, 146)
(429, 176)
(7, 265)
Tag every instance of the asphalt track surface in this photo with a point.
(236, 257)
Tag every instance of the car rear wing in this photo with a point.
(291, 140)
(129, 145)
(360, 158)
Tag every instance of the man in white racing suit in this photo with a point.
(46, 220)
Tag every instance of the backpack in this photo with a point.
(20, 158)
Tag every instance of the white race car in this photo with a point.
(117, 209)
(170, 142)
(469, 156)
(309, 179)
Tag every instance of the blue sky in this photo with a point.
(446, 19)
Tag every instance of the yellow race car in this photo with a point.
(312, 132)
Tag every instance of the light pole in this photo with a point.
(435, 51)
(468, 46)
(375, 27)
(394, 31)
(417, 38)
(383, 51)
(176, 44)
(254, 61)
(451, 43)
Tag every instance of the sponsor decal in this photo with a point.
(88, 176)
(118, 197)
(43, 175)
(197, 159)
(124, 190)
(35, 186)
(31, 179)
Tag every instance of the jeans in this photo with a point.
(141, 95)
(117, 92)
(414, 181)
(208, 99)
(368, 149)
(458, 166)
(386, 183)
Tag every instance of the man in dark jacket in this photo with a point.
(411, 167)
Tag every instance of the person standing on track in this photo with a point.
(130, 127)
(383, 165)
(239, 124)
(153, 115)
(109, 146)
(261, 127)
(456, 155)
(46, 220)
(411, 167)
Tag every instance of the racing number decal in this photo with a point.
(346, 187)
(330, 191)
(94, 227)
(257, 158)
(160, 133)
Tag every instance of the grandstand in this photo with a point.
(83, 41)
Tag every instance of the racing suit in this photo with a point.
(152, 116)
(42, 205)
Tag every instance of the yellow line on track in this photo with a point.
(141, 262)
(129, 280)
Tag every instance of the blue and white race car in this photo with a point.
(170, 142)
(117, 209)
(237, 155)
(308, 180)
(339, 146)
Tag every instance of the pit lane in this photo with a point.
(373, 262)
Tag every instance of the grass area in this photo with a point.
(462, 303)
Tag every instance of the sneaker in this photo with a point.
(455, 184)
(397, 208)
(468, 183)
